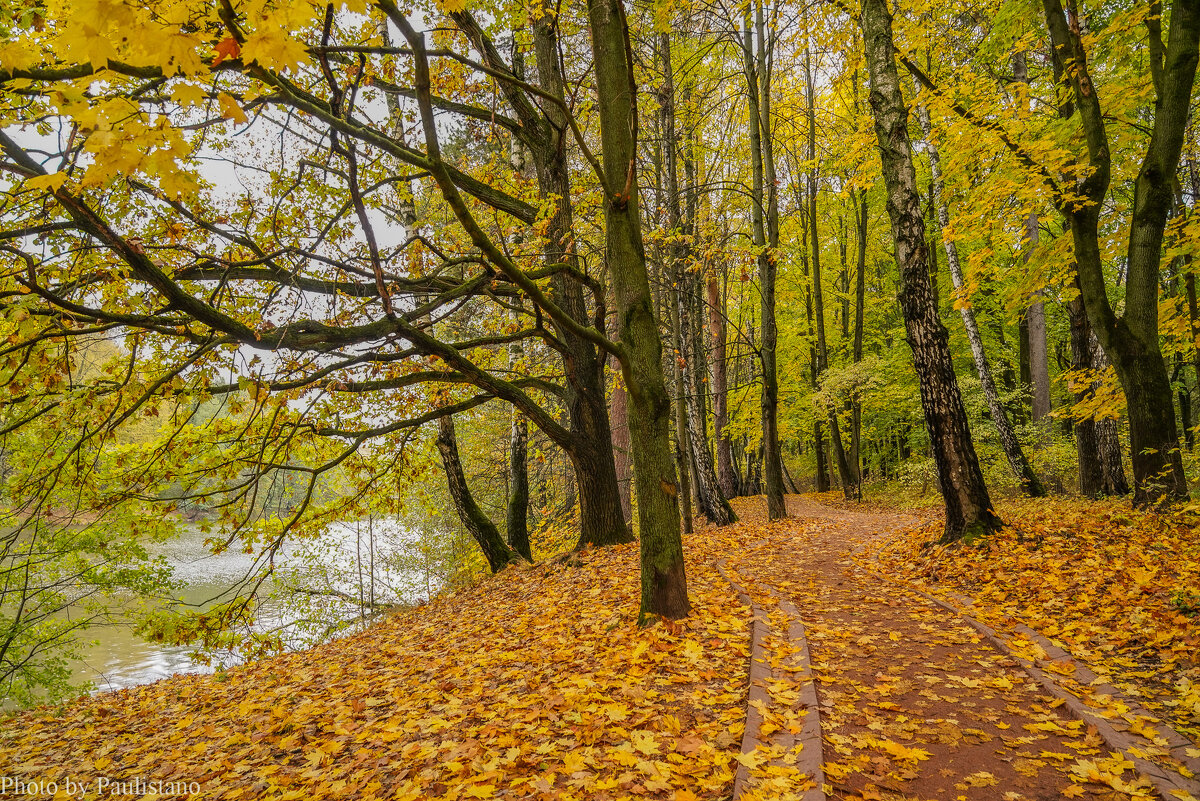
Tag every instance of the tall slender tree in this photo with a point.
(764, 206)
(969, 512)
(664, 585)
(1017, 461)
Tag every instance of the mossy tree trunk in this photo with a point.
(664, 583)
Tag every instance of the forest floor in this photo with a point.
(538, 683)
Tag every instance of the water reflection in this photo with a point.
(371, 560)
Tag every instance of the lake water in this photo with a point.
(114, 657)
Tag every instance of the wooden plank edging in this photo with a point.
(811, 756)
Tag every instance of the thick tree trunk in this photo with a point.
(821, 479)
(664, 584)
(1087, 449)
(590, 446)
(602, 520)
(477, 524)
(1031, 485)
(969, 510)
(518, 493)
(1131, 341)
(1108, 441)
(1096, 441)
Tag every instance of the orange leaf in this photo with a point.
(226, 48)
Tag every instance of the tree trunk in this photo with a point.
(1131, 341)
(726, 473)
(850, 487)
(1035, 315)
(1096, 441)
(620, 444)
(821, 479)
(766, 242)
(712, 501)
(1108, 441)
(517, 519)
(969, 511)
(601, 521)
(1087, 448)
(664, 584)
(477, 524)
(1031, 485)
(683, 455)
(707, 493)
(860, 293)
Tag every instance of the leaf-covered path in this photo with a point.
(538, 684)
(914, 702)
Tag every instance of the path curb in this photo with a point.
(1167, 782)
(811, 758)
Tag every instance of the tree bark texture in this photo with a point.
(687, 386)
(969, 510)
(1108, 442)
(517, 518)
(1031, 485)
(1087, 449)
(718, 364)
(620, 443)
(1131, 340)
(601, 518)
(765, 223)
(664, 584)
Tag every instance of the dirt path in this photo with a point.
(914, 703)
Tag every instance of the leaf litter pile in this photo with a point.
(539, 684)
(536, 683)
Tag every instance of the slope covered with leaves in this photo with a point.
(536, 683)
(1118, 588)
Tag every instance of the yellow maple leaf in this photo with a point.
(52, 181)
(644, 741)
(230, 109)
(188, 94)
(751, 759)
(1073, 791)
(272, 47)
